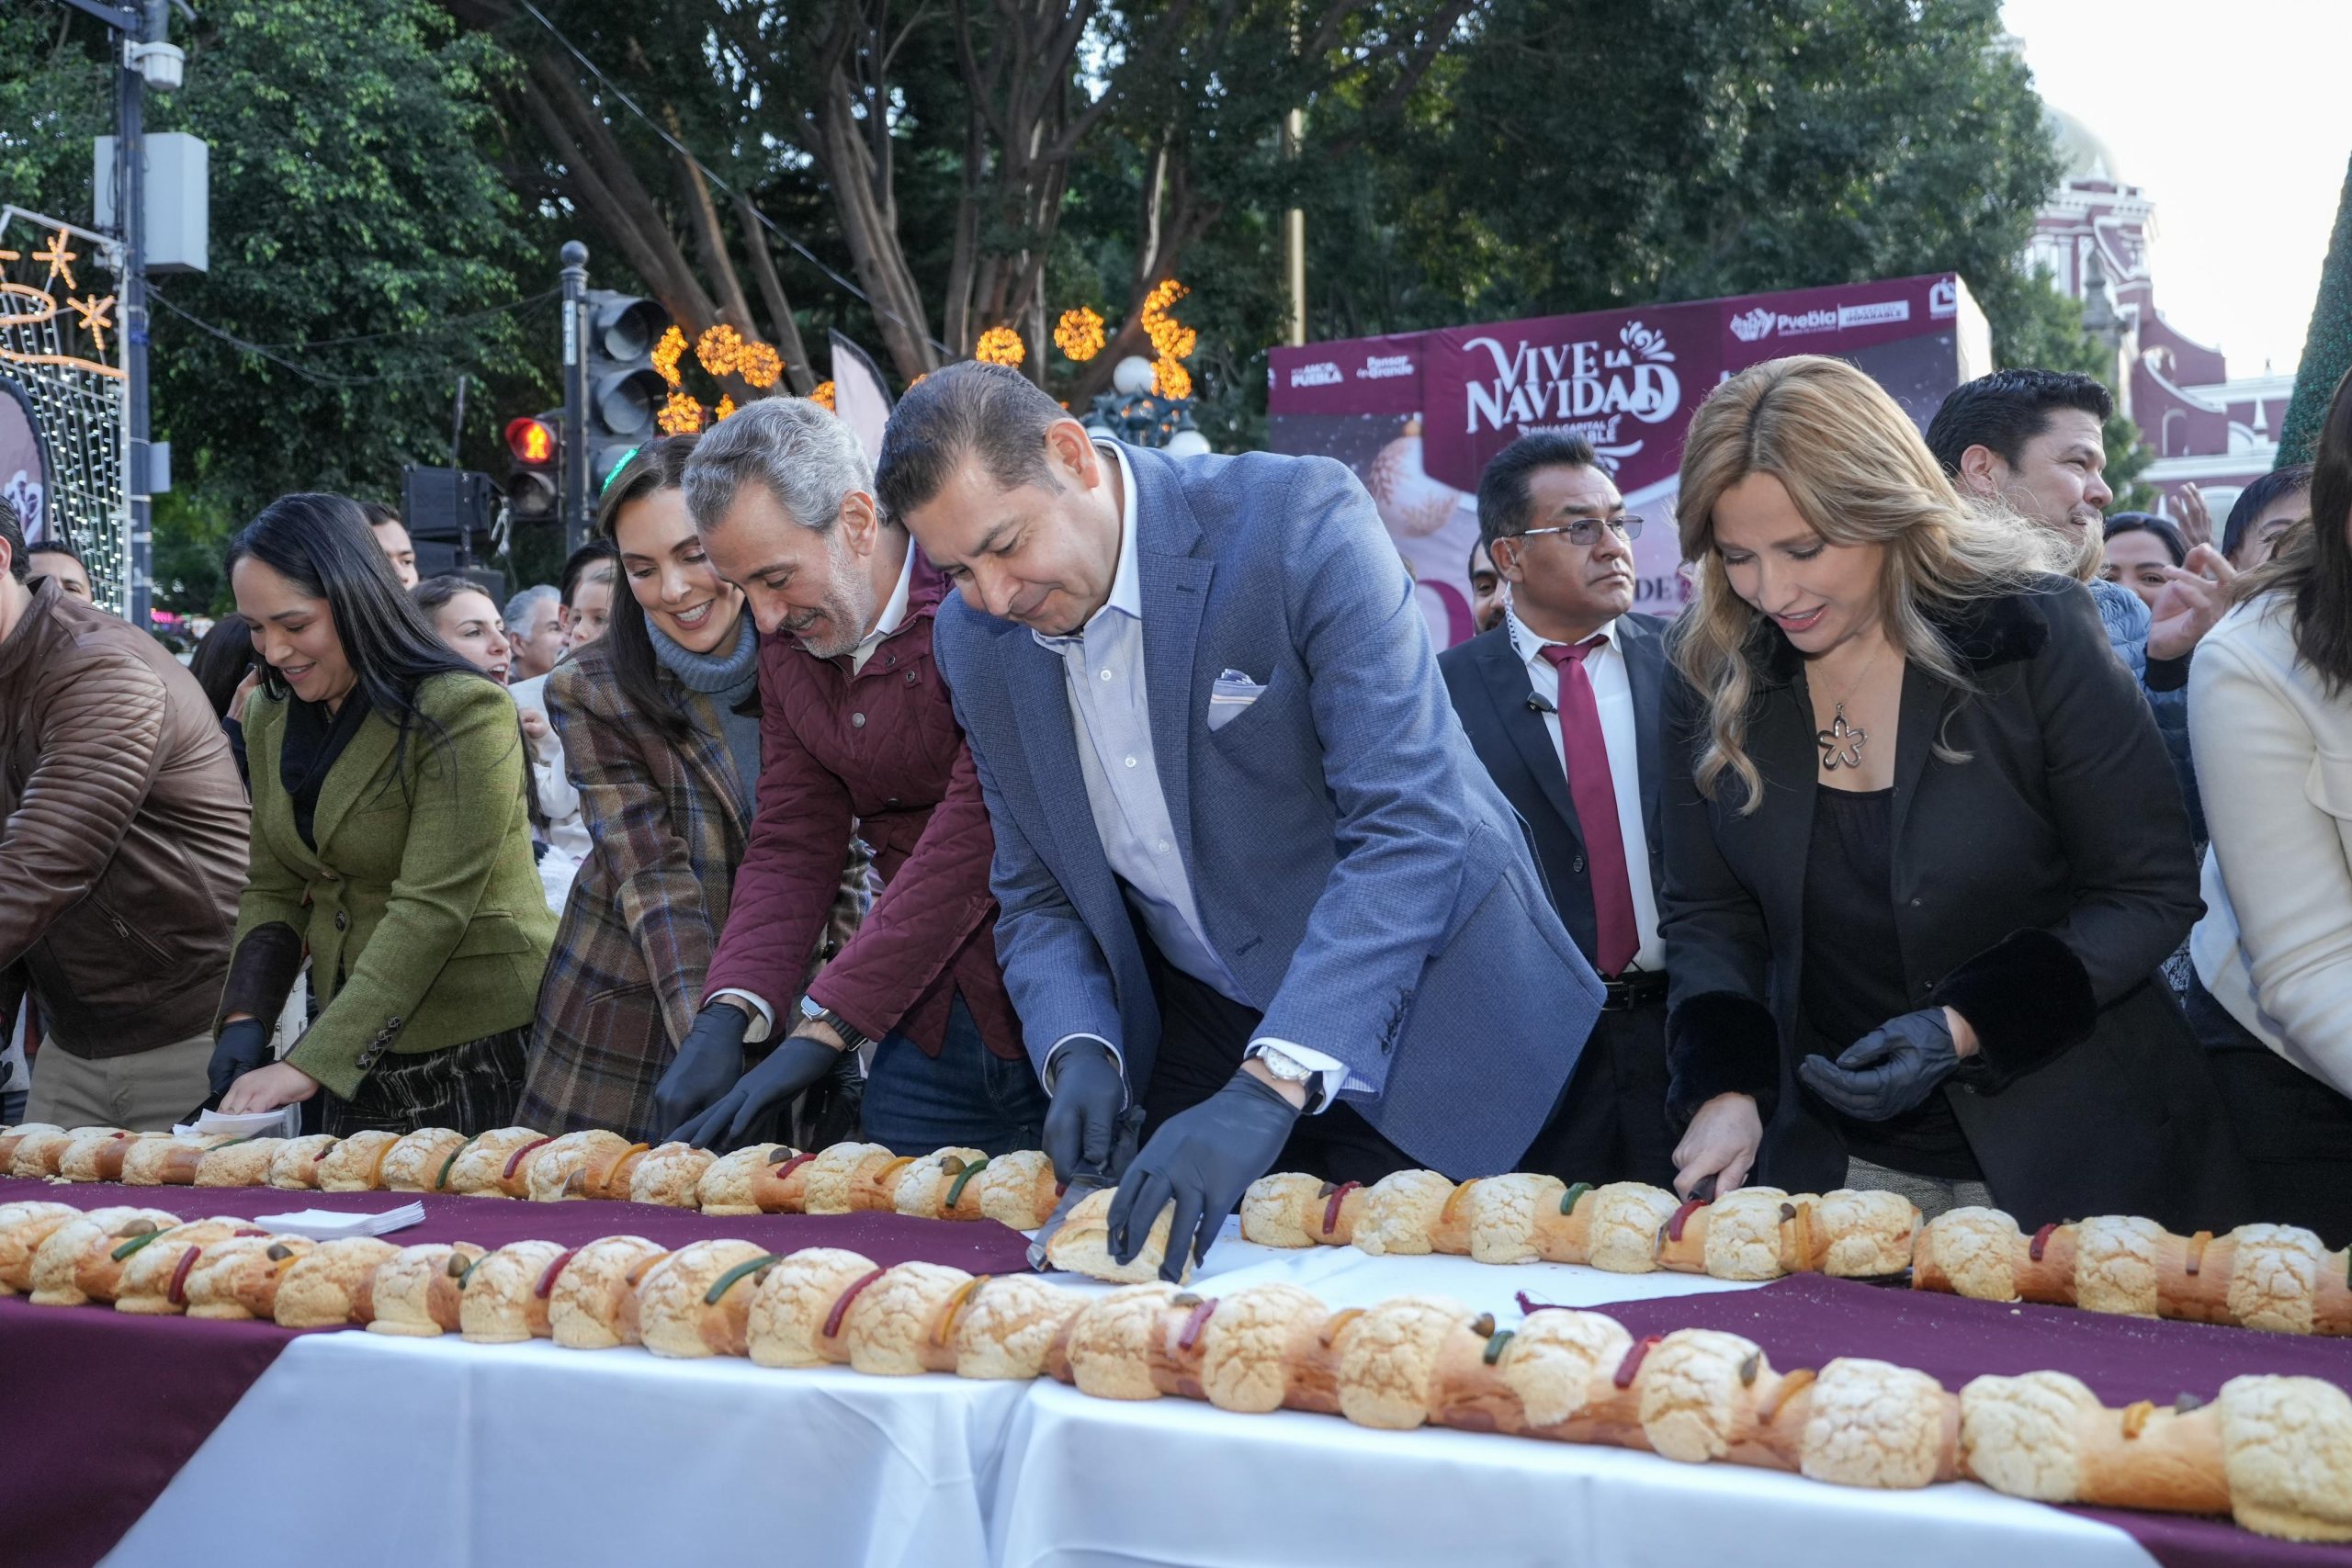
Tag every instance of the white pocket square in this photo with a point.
(1230, 697)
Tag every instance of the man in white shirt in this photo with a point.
(1561, 702)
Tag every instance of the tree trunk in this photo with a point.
(956, 318)
(860, 185)
(621, 209)
(798, 373)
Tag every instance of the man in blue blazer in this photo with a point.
(1247, 864)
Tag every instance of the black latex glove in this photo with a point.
(240, 1048)
(1205, 1158)
(1887, 1071)
(709, 1060)
(832, 1112)
(759, 1094)
(1082, 1121)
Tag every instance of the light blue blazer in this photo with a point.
(1358, 871)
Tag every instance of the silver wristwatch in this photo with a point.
(1290, 1069)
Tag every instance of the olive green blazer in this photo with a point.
(422, 905)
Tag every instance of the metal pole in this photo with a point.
(574, 468)
(457, 484)
(131, 219)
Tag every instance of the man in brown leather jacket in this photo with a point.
(122, 855)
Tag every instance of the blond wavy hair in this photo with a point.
(1859, 472)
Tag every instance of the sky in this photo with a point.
(2232, 114)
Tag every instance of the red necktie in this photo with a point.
(1586, 751)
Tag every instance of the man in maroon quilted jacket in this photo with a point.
(856, 726)
(122, 853)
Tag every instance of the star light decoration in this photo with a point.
(94, 316)
(1001, 346)
(823, 396)
(1080, 335)
(60, 260)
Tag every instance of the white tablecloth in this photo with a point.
(365, 1451)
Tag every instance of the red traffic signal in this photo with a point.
(531, 440)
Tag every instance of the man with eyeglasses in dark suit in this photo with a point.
(1561, 703)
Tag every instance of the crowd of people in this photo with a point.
(1017, 788)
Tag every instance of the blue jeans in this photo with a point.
(967, 1096)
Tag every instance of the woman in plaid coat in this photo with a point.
(660, 724)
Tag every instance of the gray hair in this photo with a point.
(520, 608)
(808, 460)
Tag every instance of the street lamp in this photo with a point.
(1133, 413)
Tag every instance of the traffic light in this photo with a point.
(531, 495)
(625, 392)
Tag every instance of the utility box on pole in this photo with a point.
(179, 199)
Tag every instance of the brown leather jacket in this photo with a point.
(123, 831)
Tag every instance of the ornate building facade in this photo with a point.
(2205, 427)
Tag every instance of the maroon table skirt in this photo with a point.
(103, 1409)
(1806, 1320)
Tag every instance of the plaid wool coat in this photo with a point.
(669, 824)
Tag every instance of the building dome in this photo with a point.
(2084, 152)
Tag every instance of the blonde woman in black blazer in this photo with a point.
(1924, 853)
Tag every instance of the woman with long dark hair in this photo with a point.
(389, 839)
(660, 720)
(2270, 711)
(1923, 853)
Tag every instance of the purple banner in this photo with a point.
(1419, 415)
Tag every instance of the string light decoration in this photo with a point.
(1170, 338)
(1171, 380)
(1001, 346)
(726, 409)
(680, 415)
(667, 353)
(760, 365)
(1079, 335)
(823, 396)
(719, 349)
(1156, 412)
(55, 337)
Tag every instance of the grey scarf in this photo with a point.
(728, 681)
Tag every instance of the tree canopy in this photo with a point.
(391, 178)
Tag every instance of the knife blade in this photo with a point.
(1089, 1179)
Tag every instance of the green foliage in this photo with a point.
(375, 178)
(358, 221)
(2327, 344)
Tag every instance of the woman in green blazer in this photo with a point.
(390, 840)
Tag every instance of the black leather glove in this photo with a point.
(1082, 1121)
(759, 1094)
(709, 1060)
(1887, 1071)
(240, 1048)
(1205, 1158)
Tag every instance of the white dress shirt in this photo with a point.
(885, 626)
(1110, 712)
(1612, 692)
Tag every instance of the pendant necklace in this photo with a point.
(1841, 743)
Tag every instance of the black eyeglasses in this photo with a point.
(1585, 531)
